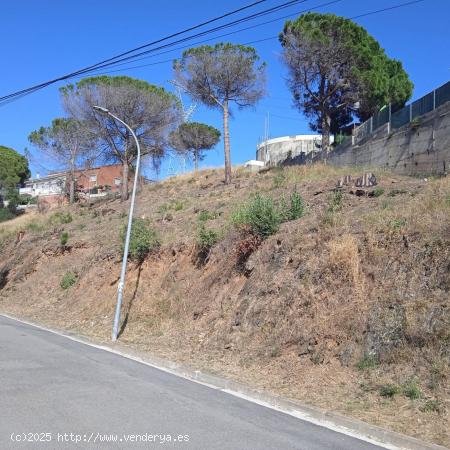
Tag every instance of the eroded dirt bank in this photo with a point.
(346, 308)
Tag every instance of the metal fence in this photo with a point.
(409, 113)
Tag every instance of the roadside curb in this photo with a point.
(328, 419)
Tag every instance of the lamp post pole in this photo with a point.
(120, 287)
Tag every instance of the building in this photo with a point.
(284, 149)
(95, 181)
(100, 180)
(50, 185)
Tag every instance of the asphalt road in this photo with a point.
(55, 391)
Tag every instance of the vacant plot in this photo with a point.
(336, 297)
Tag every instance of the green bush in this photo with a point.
(390, 390)
(398, 223)
(68, 280)
(279, 179)
(204, 215)
(178, 205)
(378, 192)
(27, 199)
(260, 214)
(335, 202)
(143, 240)
(367, 362)
(394, 192)
(59, 218)
(431, 406)
(412, 390)
(206, 238)
(174, 205)
(6, 214)
(294, 209)
(263, 217)
(34, 226)
(64, 238)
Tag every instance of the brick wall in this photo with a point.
(105, 176)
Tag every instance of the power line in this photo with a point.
(211, 30)
(118, 58)
(17, 95)
(386, 9)
(228, 34)
(145, 45)
(248, 28)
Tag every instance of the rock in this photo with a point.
(303, 349)
(386, 325)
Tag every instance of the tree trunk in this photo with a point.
(326, 123)
(124, 190)
(226, 141)
(195, 160)
(72, 185)
(72, 190)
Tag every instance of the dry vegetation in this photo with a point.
(346, 308)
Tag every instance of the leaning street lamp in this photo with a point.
(115, 330)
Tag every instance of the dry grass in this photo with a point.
(344, 257)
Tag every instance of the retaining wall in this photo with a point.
(421, 147)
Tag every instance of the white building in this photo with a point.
(278, 150)
(52, 184)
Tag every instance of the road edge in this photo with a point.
(328, 419)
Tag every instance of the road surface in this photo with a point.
(59, 393)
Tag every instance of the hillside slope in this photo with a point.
(346, 307)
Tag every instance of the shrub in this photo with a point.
(279, 179)
(68, 280)
(294, 209)
(59, 218)
(367, 362)
(389, 390)
(260, 214)
(378, 192)
(6, 214)
(178, 205)
(13, 198)
(143, 239)
(206, 238)
(27, 199)
(412, 390)
(335, 201)
(64, 238)
(34, 226)
(275, 352)
(204, 215)
(394, 192)
(398, 223)
(431, 406)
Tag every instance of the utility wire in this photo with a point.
(148, 44)
(117, 58)
(211, 30)
(15, 96)
(386, 9)
(227, 34)
(248, 28)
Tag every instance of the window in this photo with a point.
(93, 178)
(117, 181)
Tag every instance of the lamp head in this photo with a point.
(101, 109)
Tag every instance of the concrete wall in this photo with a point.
(418, 148)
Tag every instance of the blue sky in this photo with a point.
(47, 38)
